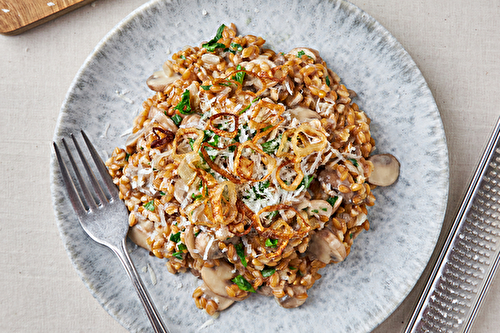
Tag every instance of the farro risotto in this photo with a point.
(247, 167)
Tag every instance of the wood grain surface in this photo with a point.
(17, 16)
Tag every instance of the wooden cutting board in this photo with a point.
(17, 16)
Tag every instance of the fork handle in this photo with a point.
(151, 311)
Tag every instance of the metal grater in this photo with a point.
(469, 257)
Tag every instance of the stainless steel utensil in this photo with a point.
(469, 257)
(104, 217)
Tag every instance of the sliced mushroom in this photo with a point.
(308, 52)
(208, 253)
(222, 302)
(325, 246)
(265, 290)
(217, 278)
(385, 170)
(289, 302)
(189, 242)
(160, 80)
(180, 190)
(140, 232)
(303, 114)
(330, 182)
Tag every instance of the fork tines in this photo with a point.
(95, 195)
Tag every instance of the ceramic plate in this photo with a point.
(385, 262)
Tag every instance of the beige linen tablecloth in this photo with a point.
(456, 45)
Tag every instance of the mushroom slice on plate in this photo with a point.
(217, 278)
(385, 170)
(326, 247)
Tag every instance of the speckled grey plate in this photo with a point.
(384, 263)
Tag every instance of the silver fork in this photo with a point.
(103, 216)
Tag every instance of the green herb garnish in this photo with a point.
(300, 54)
(243, 284)
(178, 255)
(206, 87)
(182, 247)
(315, 211)
(332, 200)
(306, 181)
(212, 44)
(175, 237)
(236, 47)
(184, 105)
(270, 242)
(327, 80)
(196, 197)
(176, 119)
(241, 253)
(162, 193)
(270, 147)
(324, 209)
(240, 76)
(150, 205)
(354, 162)
(248, 106)
(183, 57)
(268, 271)
(127, 155)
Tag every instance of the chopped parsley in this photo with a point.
(162, 193)
(354, 162)
(175, 237)
(315, 211)
(324, 209)
(300, 54)
(182, 247)
(241, 253)
(127, 156)
(183, 57)
(150, 205)
(184, 105)
(270, 242)
(243, 284)
(176, 119)
(207, 87)
(212, 44)
(270, 147)
(240, 76)
(248, 106)
(351, 235)
(268, 271)
(327, 80)
(178, 255)
(196, 197)
(191, 143)
(332, 200)
(236, 47)
(306, 181)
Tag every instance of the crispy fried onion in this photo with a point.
(197, 136)
(213, 126)
(244, 167)
(281, 221)
(306, 140)
(216, 167)
(219, 207)
(161, 141)
(265, 114)
(300, 175)
(245, 217)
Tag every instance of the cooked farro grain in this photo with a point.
(248, 167)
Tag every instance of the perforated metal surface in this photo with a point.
(470, 256)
